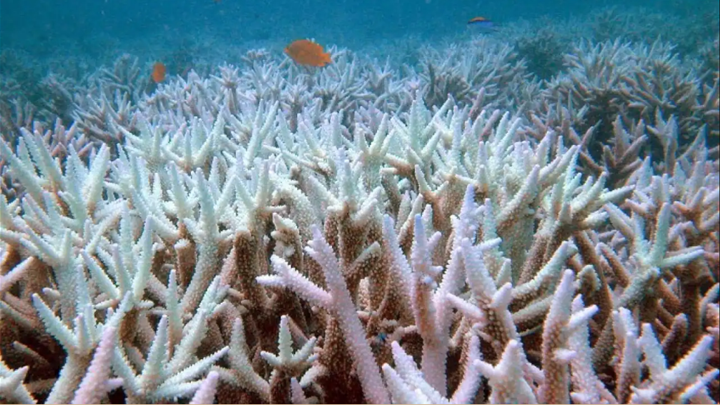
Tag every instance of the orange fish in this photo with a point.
(477, 20)
(158, 72)
(307, 53)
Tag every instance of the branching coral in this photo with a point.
(277, 234)
(490, 67)
(616, 80)
(542, 51)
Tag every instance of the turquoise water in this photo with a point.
(42, 27)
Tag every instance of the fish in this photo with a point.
(158, 72)
(307, 53)
(381, 338)
(482, 24)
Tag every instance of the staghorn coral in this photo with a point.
(437, 255)
(444, 233)
(542, 50)
(638, 86)
(686, 28)
(482, 68)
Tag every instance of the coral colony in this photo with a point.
(457, 233)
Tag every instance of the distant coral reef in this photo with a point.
(518, 220)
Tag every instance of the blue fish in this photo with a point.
(482, 24)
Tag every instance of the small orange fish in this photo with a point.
(477, 19)
(308, 53)
(158, 72)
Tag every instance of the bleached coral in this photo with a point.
(431, 254)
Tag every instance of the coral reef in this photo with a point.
(543, 53)
(449, 232)
(437, 238)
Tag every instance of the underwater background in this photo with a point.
(195, 156)
(99, 30)
(50, 50)
(37, 25)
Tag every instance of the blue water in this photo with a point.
(43, 27)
